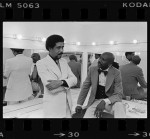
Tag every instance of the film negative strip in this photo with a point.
(35, 21)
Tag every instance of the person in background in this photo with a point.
(35, 77)
(129, 56)
(4, 86)
(116, 65)
(75, 68)
(106, 89)
(95, 62)
(89, 62)
(57, 79)
(17, 71)
(131, 76)
(80, 59)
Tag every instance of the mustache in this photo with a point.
(60, 53)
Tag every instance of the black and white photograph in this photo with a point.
(75, 70)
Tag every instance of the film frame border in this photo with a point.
(76, 11)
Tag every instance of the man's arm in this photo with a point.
(118, 89)
(84, 89)
(140, 78)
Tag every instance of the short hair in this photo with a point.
(19, 51)
(116, 65)
(129, 53)
(73, 57)
(36, 54)
(52, 40)
(97, 56)
(136, 59)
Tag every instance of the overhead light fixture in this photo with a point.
(43, 39)
(19, 36)
(93, 43)
(135, 41)
(111, 42)
(78, 43)
(137, 53)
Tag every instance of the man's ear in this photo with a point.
(50, 49)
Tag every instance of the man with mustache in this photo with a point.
(57, 78)
(106, 89)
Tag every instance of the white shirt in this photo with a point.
(102, 78)
(102, 82)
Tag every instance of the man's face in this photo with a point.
(35, 58)
(104, 62)
(57, 51)
(129, 57)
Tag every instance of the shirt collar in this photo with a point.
(20, 55)
(107, 68)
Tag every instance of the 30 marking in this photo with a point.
(75, 134)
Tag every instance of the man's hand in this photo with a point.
(99, 109)
(78, 109)
(53, 84)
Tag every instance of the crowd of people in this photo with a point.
(52, 77)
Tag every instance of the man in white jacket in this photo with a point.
(57, 78)
(17, 71)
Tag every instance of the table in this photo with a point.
(33, 108)
(134, 105)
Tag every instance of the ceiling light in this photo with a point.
(19, 37)
(43, 39)
(78, 43)
(135, 41)
(93, 43)
(111, 42)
